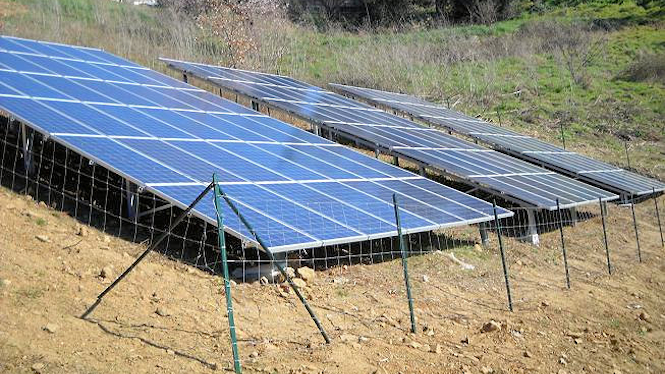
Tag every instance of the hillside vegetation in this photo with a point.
(596, 68)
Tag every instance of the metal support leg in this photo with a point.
(395, 161)
(376, 153)
(532, 228)
(422, 171)
(184, 78)
(484, 239)
(132, 201)
(573, 216)
(256, 106)
(27, 141)
(603, 207)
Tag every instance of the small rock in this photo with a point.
(363, 339)
(465, 340)
(299, 283)
(563, 361)
(426, 347)
(264, 281)
(5, 282)
(425, 278)
(526, 354)
(486, 370)
(428, 331)
(162, 312)
(42, 204)
(575, 334)
(107, 239)
(51, 328)
(42, 238)
(436, 349)
(477, 247)
(545, 303)
(107, 272)
(415, 344)
(644, 317)
(490, 327)
(306, 273)
(38, 367)
(348, 338)
(82, 231)
(254, 354)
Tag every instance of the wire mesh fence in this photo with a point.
(598, 237)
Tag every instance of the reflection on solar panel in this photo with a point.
(497, 173)
(578, 166)
(297, 189)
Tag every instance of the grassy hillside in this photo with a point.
(597, 70)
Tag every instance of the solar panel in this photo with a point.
(598, 173)
(495, 172)
(297, 189)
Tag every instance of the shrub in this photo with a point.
(647, 67)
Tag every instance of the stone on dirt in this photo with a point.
(348, 338)
(254, 354)
(264, 281)
(160, 311)
(43, 238)
(490, 327)
(51, 328)
(306, 273)
(82, 231)
(38, 367)
(436, 349)
(643, 317)
(299, 283)
(414, 344)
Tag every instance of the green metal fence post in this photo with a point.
(660, 227)
(503, 256)
(227, 281)
(637, 233)
(607, 247)
(563, 244)
(270, 255)
(402, 249)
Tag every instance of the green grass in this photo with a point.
(41, 222)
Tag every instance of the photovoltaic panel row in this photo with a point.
(503, 175)
(297, 189)
(595, 172)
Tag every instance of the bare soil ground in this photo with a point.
(168, 317)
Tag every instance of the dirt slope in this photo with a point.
(167, 317)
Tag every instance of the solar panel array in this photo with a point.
(502, 175)
(598, 173)
(297, 189)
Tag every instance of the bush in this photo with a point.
(648, 67)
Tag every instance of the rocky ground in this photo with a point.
(169, 317)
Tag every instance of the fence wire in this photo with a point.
(467, 257)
